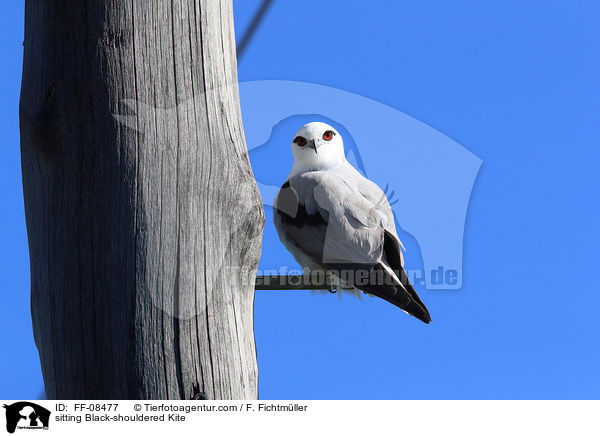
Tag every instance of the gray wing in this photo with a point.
(392, 257)
(377, 197)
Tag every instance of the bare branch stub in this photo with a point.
(294, 282)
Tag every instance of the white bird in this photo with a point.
(333, 219)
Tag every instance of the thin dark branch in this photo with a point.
(252, 28)
(293, 282)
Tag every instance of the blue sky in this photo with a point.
(516, 83)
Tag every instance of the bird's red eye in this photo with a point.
(328, 135)
(300, 140)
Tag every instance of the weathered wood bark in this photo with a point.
(144, 219)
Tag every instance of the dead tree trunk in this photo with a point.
(143, 216)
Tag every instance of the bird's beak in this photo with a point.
(313, 144)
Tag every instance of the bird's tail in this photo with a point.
(414, 308)
(401, 295)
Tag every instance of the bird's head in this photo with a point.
(317, 146)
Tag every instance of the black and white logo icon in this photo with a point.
(26, 415)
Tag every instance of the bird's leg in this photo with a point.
(333, 282)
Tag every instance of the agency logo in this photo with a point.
(26, 415)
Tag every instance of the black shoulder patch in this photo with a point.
(287, 201)
(292, 212)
